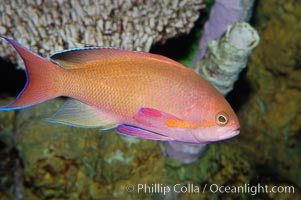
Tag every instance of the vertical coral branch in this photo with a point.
(227, 56)
(223, 14)
(184, 152)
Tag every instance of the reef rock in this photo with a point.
(270, 116)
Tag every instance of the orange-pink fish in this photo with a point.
(140, 94)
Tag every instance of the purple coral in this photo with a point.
(184, 152)
(223, 14)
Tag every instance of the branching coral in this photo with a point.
(51, 26)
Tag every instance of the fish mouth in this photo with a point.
(234, 133)
(231, 134)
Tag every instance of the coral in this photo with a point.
(227, 56)
(223, 14)
(186, 153)
(51, 26)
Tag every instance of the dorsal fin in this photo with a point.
(84, 57)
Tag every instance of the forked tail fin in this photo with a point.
(42, 79)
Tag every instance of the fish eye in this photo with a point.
(221, 118)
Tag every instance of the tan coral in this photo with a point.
(51, 26)
(227, 56)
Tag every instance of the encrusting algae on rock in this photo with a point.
(271, 116)
(70, 163)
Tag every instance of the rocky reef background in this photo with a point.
(40, 160)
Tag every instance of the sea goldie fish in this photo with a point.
(140, 94)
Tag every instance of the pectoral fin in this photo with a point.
(141, 133)
(152, 117)
(162, 120)
(76, 113)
